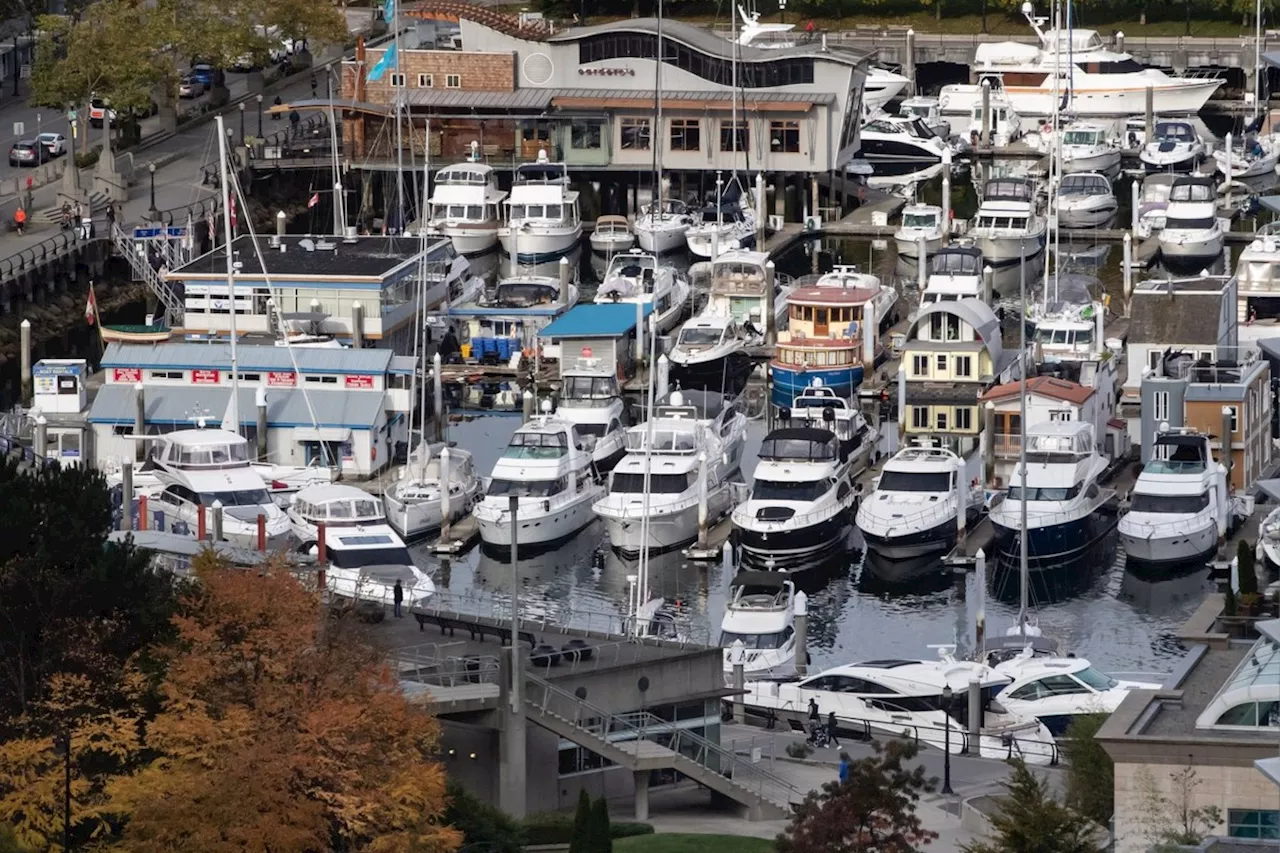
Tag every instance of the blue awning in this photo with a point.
(595, 321)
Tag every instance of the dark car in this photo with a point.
(202, 74)
(28, 152)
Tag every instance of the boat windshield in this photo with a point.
(756, 641)
(589, 388)
(242, 497)
(665, 440)
(1084, 185)
(1191, 192)
(1032, 493)
(522, 294)
(955, 263)
(1175, 223)
(919, 220)
(1178, 504)
(776, 490)
(462, 177)
(359, 558)
(1174, 132)
(1082, 137)
(696, 336)
(537, 445)
(915, 481)
(1176, 457)
(216, 454)
(632, 483)
(526, 488)
(1097, 680)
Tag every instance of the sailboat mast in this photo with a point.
(339, 215)
(233, 405)
(656, 139)
(1024, 566)
(395, 17)
(1257, 63)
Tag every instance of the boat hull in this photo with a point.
(938, 539)
(701, 244)
(1169, 547)
(1005, 251)
(780, 549)
(472, 241)
(419, 519)
(666, 530)
(603, 245)
(911, 248)
(789, 383)
(1087, 217)
(538, 528)
(714, 373)
(539, 246)
(661, 240)
(1055, 541)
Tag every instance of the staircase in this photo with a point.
(642, 741)
(53, 215)
(141, 265)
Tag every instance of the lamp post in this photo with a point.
(782, 11)
(16, 64)
(260, 115)
(946, 748)
(242, 122)
(151, 167)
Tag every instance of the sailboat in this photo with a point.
(661, 227)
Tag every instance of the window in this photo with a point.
(1235, 419)
(453, 81)
(727, 136)
(920, 417)
(686, 134)
(920, 365)
(635, 134)
(1181, 504)
(964, 418)
(942, 420)
(585, 135)
(426, 81)
(1160, 406)
(397, 80)
(784, 136)
(964, 367)
(750, 75)
(1153, 359)
(1060, 415)
(1253, 823)
(942, 363)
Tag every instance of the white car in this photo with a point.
(54, 143)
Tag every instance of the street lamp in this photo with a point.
(151, 167)
(15, 64)
(259, 115)
(946, 748)
(242, 121)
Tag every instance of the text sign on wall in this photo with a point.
(282, 379)
(359, 381)
(126, 374)
(206, 377)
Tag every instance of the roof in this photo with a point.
(196, 356)
(285, 407)
(746, 98)
(1178, 320)
(832, 295)
(1044, 386)
(977, 314)
(612, 320)
(351, 256)
(521, 99)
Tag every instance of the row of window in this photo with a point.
(244, 377)
(820, 317)
(942, 418)
(428, 81)
(747, 75)
(686, 135)
(944, 366)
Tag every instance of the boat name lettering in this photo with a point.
(608, 72)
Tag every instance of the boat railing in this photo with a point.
(1048, 517)
(930, 516)
(630, 512)
(1174, 526)
(746, 517)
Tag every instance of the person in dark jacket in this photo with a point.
(844, 768)
(814, 714)
(398, 595)
(831, 729)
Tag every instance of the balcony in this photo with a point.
(1007, 444)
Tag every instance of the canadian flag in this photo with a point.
(91, 308)
(314, 200)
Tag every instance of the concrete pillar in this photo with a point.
(802, 632)
(126, 494)
(909, 67)
(988, 284)
(663, 378)
(446, 511)
(437, 390)
(357, 325)
(1226, 460)
(642, 794)
(527, 406)
(975, 716)
(640, 329)
(962, 491)
(703, 510)
(985, 138)
(980, 615)
(260, 403)
(1127, 272)
(737, 654)
(512, 737)
(1150, 116)
(989, 444)
(922, 263)
(139, 421)
(770, 333)
(217, 521)
(870, 337)
(25, 335)
(40, 444)
(902, 404)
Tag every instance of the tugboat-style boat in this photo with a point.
(819, 406)
(465, 207)
(1007, 227)
(919, 220)
(542, 214)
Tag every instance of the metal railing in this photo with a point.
(1006, 444)
(743, 517)
(138, 260)
(448, 671)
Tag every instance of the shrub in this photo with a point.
(799, 750)
(580, 839)
(599, 837)
(84, 161)
(557, 828)
(481, 823)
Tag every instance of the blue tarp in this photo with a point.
(595, 321)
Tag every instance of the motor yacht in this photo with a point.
(1258, 285)
(1179, 506)
(709, 351)
(912, 510)
(1269, 541)
(1063, 498)
(731, 225)
(926, 109)
(542, 213)
(611, 235)
(197, 468)
(955, 273)
(819, 406)
(547, 467)
(1176, 148)
(1003, 124)
(888, 697)
(881, 87)
(1056, 690)
(1089, 148)
(1086, 200)
(758, 627)
(591, 400)
(1007, 227)
(1067, 322)
(364, 563)
(504, 320)
(895, 145)
(414, 503)
(637, 277)
(1192, 234)
(335, 506)
(660, 228)
(466, 207)
(801, 498)
(689, 448)
(1153, 202)
(1254, 157)
(920, 220)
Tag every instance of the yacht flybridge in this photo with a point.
(637, 277)
(415, 501)
(591, 400)
(758, 628)
(1008, 228)
(542, 213)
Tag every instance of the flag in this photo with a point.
(213, 233)
(314, 200)
(91, 308)
(232, 202)
(388, 60)
(388, 10)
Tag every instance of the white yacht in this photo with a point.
(1056, 690)
(637, 277)
(926, 109)
(661, 226)
(1153, 202)
(955, 273)
(1067, 322)
(1269, 540)
(1086, 200)
(542, 214)
(1252, 158)
(758, 627)
(730, 226)
(920, 220)
(466, 207)
(1179, 506)
(335, 506)
(1088, 148)
(547, 466)
(1003, 122)
(912, 510)
(888, 697)
(801, 497)
(1061, 492)
(1192, 233)
(414, 503)
(591, 400)
(895, 145)
(611, 234)
(820, 406)
(196, 468)
(1176, 148)
(364, 563)
(696, 436)
(1007, 227)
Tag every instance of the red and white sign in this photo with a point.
(126, 374)
(586, 352)
(358, 381)
(282, 379)
(206, 377)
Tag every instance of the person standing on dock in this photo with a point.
(831, 729)
(814, 714)
(398, 595)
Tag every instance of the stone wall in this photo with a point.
(1224, 787)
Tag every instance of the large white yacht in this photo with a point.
(801, 497)
(363, 565)
(731, 225)
(335, 506)
(466, 207)
(690, 436)
(661, 226)
(1179, 506)
(637, 277)
(1066, 321)
(887, 697)
(1008, 227)
(415, 501)
(895, 145)
(196, 468)
(547, 465)
(591, 400)
(1056, 690)
(920, 220)
(542, 213)
(1176, 148)
(912, 511)
(760, 615)
(955, 273)
(1086, 200)
(1088, 148)
(1061, 492)
(1192, 233)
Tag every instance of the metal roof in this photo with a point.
(402, 364)
(308, 255)
(976, 313)
(595, 321)
(176, 404)
(521, 99)
(197, 356)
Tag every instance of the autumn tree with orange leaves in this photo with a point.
(280, 730)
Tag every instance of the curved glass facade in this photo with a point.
(751, 75)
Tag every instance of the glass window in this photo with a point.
(245, 497)
(537, 445)
(942, 420)
(757, 641)
(964, 418)
(920, 417)
(785, 136)
(526, 488)
(453, 81)
(635, 134)
(1253, 823)
(632, 483)
(1189, 504)
(360, 558)
(586, 135)
(686, 134)
(728, 142)
(775, 490)
(964, 367)
(1095, 679)
(1060, 685)
(425, 81)
(915, 481)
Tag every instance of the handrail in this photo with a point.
(141, 265)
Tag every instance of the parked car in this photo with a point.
(203, 73)
(54, 143)
(190, 87)
(28, 152)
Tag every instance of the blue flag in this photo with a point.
(388, 60)
(389, 10)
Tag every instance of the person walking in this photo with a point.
(111, 215)
(20, 220)
(844, 767)
(831, 729)
(814, 714)
(398, 595)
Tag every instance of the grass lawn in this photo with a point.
(690, 843)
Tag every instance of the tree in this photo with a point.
(1030, 820)
(1091, 775)
(1170, 821)
(601, 835)
(481, 824)
(875, 810)
(580, 840)
(280, 730)
(306, 21)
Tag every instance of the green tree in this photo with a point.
(1091, 775)
(306, 21)
(580, 841)
(480, 823)
(601, 836)
(875, 810)
(1169, 821)
(1029, 820)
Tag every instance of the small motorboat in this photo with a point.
(1086, 200)
(612, 234)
